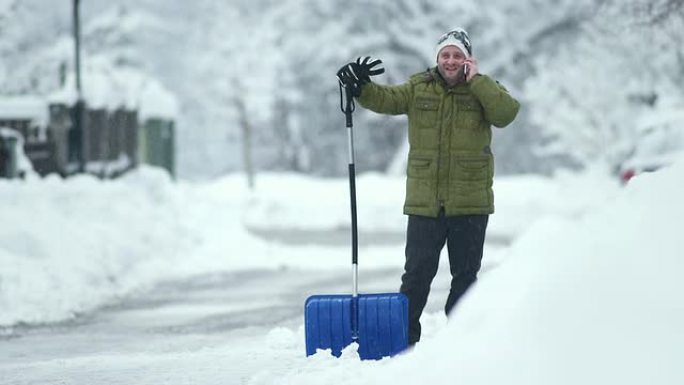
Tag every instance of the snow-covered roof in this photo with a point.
(157, 102)
(105, 86)
(24, 107)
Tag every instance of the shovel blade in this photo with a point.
(382, 324)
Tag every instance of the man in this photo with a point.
(449, 197)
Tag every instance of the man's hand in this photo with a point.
(472, 70)
(355, 74)
(345, 75)
(347, 78)
(364, 69)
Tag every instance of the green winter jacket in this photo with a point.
(450, 161)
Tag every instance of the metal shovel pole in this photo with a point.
(348, 109)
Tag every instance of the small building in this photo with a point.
(127, 118)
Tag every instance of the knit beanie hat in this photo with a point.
(457, 37)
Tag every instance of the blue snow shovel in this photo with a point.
(378, 323)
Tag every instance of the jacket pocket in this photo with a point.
(470, 185)
(472, 168)
(427, 109)
(470, 113)
(421, 181)
(420, 167)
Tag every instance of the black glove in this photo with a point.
(363, 70)
(348, 79)
(346, 75)
(355, 74)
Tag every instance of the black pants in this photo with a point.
(425, 238)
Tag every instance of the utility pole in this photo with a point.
(78, 139)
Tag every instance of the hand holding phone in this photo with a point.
(470, 68)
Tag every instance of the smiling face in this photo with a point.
(450, 63)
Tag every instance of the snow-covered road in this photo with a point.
(204, 330)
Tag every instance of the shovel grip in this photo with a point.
(354, 225)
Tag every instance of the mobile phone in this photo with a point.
(465, 71)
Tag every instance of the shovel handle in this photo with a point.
(348, 109)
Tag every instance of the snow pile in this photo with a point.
(588, 293)
(69, 246)
(65, 246)
(593, 300)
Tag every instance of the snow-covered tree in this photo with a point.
(595, 96)
(572, 63)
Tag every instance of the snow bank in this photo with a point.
(67, 246)
(589, 293)
(596, 299)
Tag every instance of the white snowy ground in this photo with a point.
(589, 291)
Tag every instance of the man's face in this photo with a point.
(449, 62)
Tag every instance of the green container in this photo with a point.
(158, 144)
(8, 157)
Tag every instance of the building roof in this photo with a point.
(24, 108)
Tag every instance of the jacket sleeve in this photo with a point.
(393, 100)
(500, 108)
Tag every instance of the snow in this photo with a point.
(580, 280)
(108, 87)
(593, 299)
(24, 107)
(587, 292)
(157, 102)
(87, 241)
(519, 200)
